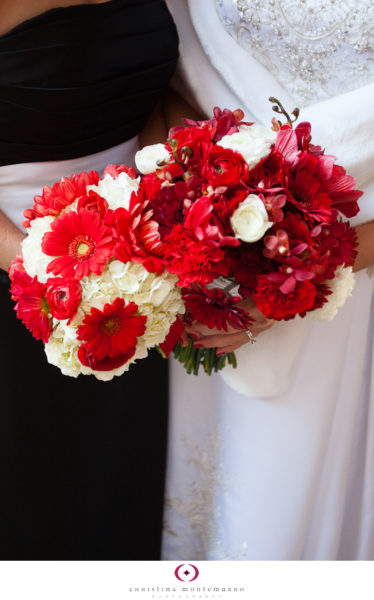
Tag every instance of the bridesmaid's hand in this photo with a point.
(232, 339)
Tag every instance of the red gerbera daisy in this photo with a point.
(32, 308)
(215, 308)
(113, 331)
(54, 199)
(82, 243)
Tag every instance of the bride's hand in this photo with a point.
(232, 339)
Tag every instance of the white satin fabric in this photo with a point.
(21, 182)
(283, 469)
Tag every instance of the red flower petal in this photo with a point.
(82, 243)
(32, 308)
(112, 331)
(215, 308)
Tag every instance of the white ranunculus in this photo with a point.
(117, 192)
(342, 287)
(148, 159)
(250, 220)
(253, 142)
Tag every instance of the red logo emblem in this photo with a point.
(186, 572)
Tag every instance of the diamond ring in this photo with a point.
(251, 337)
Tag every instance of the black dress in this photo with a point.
(82, 462)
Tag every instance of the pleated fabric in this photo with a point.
(79, 79)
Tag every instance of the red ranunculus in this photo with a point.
(224, 167)
(63, 297)
(215, 308)
(93, 202)
(113, 331)
(82, 243)
(192, 145)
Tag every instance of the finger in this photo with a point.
(227, 349)
(221, 341)
(184, 339)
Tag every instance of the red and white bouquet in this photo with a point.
(92, 282)
(256, 210)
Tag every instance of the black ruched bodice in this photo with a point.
(79, 79)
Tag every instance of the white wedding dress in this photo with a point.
(283, 470)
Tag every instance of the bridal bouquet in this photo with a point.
(92, 283)
(248, 210)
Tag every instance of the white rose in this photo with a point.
(148, 159)
(250, 220)
(117, 192)
(253, 142)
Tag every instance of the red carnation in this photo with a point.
(54, 199)
(224, 167)
(82, 243)
(215, 308)
(167, 208)
(194, 261)
(32, 307)
(113, 331)
(63, 297)
(275, 304)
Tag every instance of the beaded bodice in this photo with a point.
(316, 49)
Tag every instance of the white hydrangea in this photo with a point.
(62, 350)
(157, 297)
(342, 287)
(34, 259)
(117, 192)
(253, 142)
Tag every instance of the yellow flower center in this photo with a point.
(111, 326)
(82, 247)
